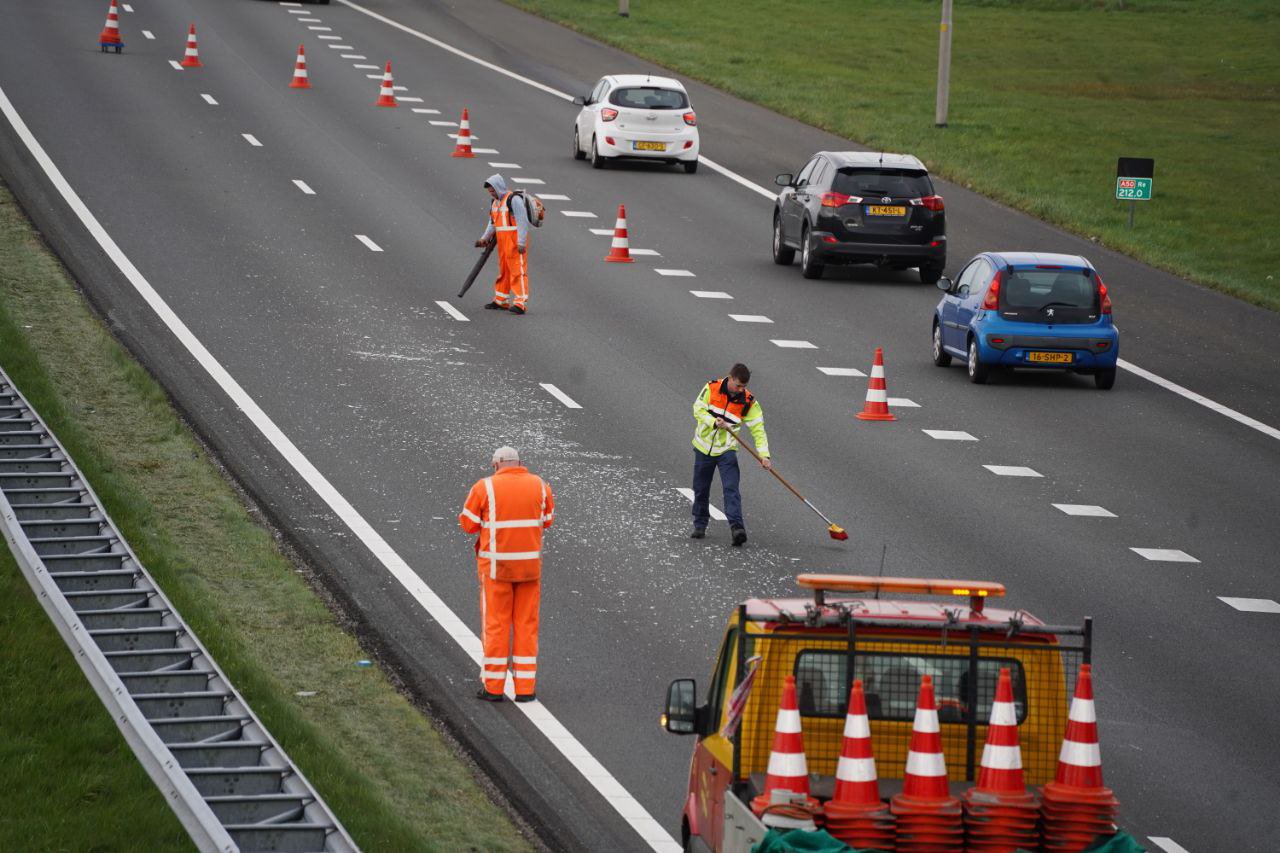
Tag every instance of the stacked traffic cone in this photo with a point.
(620, 252)
(300, 79)
(1000, 815)
(785, 802)
(855, 814)
(387, 95)
(928, 816)
(192, 57)
(463, 148)
(1077, 808)
(877, 406)
(110, 38)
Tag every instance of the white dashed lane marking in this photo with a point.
(426, 111)
(750, 318)
(373, 76)
(646, 252)
(147, 34)
(1251, 605)
(1086, 509)
(559, 395)
(842, 371)
(353, 55)
(580, 214)
(1164, 555)
(949, 435)
(340, 46)
(529, 180)
(302, 185)
(552, 196)
(715, 512)
(318, 29)
(298, 12)
(484, 150)
(602, 232)
(710, 294)
(505, 166)
(435, 122)
(310, 21)
(366, 66)
(401, 89)
(369, 244)
(252, 140)
(126, 7)
(452, 312)
(785, 344)
(1168, 845)
(1013, 471)
(174, 64)
(334, 38)
(209, 99)
(676, 273)
(405, 99)
(902, 403)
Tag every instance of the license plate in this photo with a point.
(1051, 357)
(885, 210)
(651, 146)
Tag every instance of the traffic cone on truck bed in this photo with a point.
(1000, 815)
(855, 814)
(928, 816)
(1076, 808)
(785, 802)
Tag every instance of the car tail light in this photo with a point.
(991, 302)
(828, 238)
(929, 202)
(688, 143)
(1103, 298)
(838, 199)
(608, 114)
(691, 118)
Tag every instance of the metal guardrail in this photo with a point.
(230, 783)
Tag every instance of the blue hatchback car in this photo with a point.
(1027, 310)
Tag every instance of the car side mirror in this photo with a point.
(784, 180)
(945, 284)
(681, 716)
(580, 100)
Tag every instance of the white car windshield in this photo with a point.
(648, 98)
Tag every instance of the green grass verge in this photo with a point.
(70, 781)
(1045, 95)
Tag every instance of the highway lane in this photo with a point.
(397, 434)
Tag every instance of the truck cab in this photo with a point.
(844, 630)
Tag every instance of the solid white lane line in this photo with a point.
(364, 66)
(369, 244)
(715, 512)
(1013, 471)
(645, 252)
(405, 99)
(601, 232)
(302, 185)
(1164, 555)
(1086, 509)
(452, 312)
(148, 34)
(209, 99)
(1251, 605)
(842, 371)
(483, 150)
(579, 214)
(710, 294)
(174, 64)
(252, 140)
(1265, 429)
(435, 122)
(1168, 845)
(505, 166)
(676, 273)
(750, 318)
(559, 395)
(785, 344)
(903, 403)
(426, 111)
(949, 435)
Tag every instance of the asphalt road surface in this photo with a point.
(305, 239)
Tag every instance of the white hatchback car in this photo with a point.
(636, 116)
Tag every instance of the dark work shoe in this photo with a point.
(527, 697)
(516, 309)
(698, 533)
(489, 697)
(739, 536)
(494, 306)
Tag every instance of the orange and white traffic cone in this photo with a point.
(300, 79)
(620, 252)
(785, 801)
(876, 407)
(387, 95)
(1000, 815)
(192, 57)
(463, 147)
(928, 817)
(855, 814)
(110, 37)
(1076, 806)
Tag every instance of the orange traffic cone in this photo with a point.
(785, 801)
(387, 95)
(300, 79)
(192, 57)
(928, 816)
(855, 814)
(620, 253)
(463, 148)
(110, 37)
(1000, 815)
(877, 405)
(1076, 807)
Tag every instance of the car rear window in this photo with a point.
(891, 683)
(649, 98)
(1032, 290)
(897, 183)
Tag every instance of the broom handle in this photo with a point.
(783, 481)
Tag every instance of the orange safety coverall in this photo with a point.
(512, 284)
(509, 510)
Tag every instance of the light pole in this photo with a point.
(944, 65)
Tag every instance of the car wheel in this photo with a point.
(941, 357)
(690, 166)
(1104, 378)
(783, 254)
(809, 265)
(930, 275)
(597, 162)
(577, 147)
(978, 372)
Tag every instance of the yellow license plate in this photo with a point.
(885, 210)
(651, 146)
(1051, 357)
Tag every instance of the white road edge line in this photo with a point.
(302, 185)
(560, 737)
(1197, 398)
(369, 244)
(717, 514)
(452, 312)
(559, 395)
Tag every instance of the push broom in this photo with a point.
(834, 530)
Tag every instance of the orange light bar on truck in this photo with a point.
(976, 591)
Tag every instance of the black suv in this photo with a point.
(857, 207)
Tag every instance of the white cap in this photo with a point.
(506, 454)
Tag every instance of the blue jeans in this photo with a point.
(704, 470)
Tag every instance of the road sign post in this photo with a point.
(944, 66)
(1134, 179)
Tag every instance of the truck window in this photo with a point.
(719, 688)
(891, 683)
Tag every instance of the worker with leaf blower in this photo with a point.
(510, 216)
(722, 408)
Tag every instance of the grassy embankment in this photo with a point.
(1045, 95)
(69, 780)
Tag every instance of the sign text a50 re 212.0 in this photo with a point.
(1133, 189)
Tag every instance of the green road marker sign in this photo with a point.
(1134, 176)
(1133, 189)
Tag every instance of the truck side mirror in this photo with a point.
(682, 707)
(580, 100)
(784, 180)
(945, 284)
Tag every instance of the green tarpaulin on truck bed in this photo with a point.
(801, 841)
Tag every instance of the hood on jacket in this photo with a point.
(498, 183)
